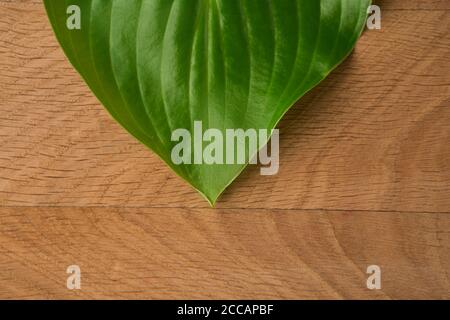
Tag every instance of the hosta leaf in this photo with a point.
(159, 65)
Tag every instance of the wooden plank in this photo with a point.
(413, 5)
(205, 253)
(373, 136)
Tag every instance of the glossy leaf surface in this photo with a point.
(160, 65)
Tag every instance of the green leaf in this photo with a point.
(160, 65)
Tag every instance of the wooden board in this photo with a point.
(228, 253)
(364, 179)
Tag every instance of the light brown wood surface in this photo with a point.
(364, 180)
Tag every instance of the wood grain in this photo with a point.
(228, 253)
(373, 136)
(364, 179)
